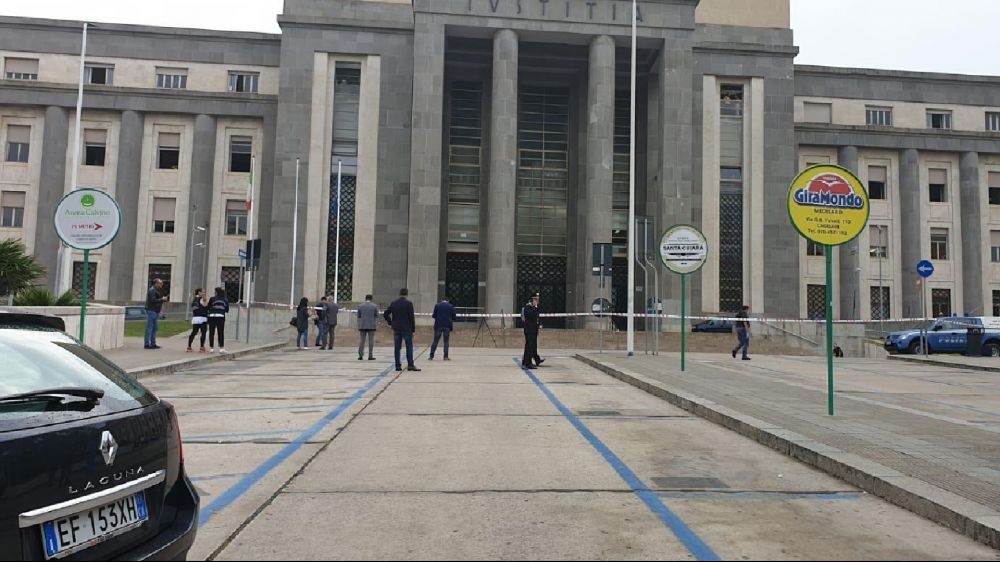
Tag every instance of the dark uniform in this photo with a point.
(531, 324)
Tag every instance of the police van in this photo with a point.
(948, 335)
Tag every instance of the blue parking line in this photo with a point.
(216, 477)
(688, 538)
(248, 481)
(251, 434)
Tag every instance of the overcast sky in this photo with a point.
(957, 36)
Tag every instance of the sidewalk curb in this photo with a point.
(171, 367)
(944, 364)
(941, 506)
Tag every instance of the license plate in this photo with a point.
(62, 537)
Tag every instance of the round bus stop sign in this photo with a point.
(683, 249)
(828, 205)
(87, 219)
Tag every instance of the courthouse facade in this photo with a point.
(483, 147)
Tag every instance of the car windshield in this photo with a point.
(41, 359)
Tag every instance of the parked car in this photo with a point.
(91, 462)
(724, 326)
(948, 335)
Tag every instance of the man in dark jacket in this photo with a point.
(401, 317)
(531, 326)
(444, 323)
(154, 305)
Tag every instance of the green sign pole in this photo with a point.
(86, 289)
(683, 322)
(829, 328)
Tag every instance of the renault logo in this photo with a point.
(109, 448)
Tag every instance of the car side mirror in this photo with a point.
(936, 328)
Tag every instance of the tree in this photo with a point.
(18, 270)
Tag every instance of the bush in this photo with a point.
(18, 271)
(40, 296)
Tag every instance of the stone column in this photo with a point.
(501, 246)
(910, 229)
(424, 237)
(973, 233)
(850, 278)
(595, 210)
(127, 193)
(200, 204)
(51, 187)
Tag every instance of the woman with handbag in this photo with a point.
(302, 313)
(199, 318)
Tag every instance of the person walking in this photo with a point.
(444, 323)
(154, 308)
(218, 307)
(367, 318)
(302, 324)
(331, 310)
(199, 318)
(401, 317)
(532, 325)
(320, 321)
(743, 333)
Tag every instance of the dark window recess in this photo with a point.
(232, 283)
(240, 149)
(938, 193)
(344, 277)
(816, 301)
(17, 152)
(995, 196)
(941, 302)
(78, 280)
(159, 271)
(876, 189)
(93, 155)
(814, 249)
(166, 227)
(996, 303)
(880, 303)
(169, 158)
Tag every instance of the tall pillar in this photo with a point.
(51, 187)
(595, 211)
(501, 245)
(200, 200)
(910, 229)
(850, 278)
(127, 193)
(972, 236)
(424, 241)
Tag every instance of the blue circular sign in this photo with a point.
(925, 269)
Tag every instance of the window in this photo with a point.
(94, 141)
(12, 209)
(232, 283)
(172, 78)
(346, 99)
(996, 303)
(18, 142)
(876, 182)
(880, 116)
(992, 121)
(995, 246)
(731, 100)
(818, 112)
(160, 271)
(99, 74)
(816, 301)
(236, 218)
(938, 119)
(163, 215)
(878, 241)
(881, 303)
(243, 81)
(20, 69)
(169, 151)
(814, 249)
(939, 244)
(938, 185)
(994, 181)
(240, 149)
(78, 280)
(940, 302)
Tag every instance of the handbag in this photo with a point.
(294, 321)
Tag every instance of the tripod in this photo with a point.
(483, 323)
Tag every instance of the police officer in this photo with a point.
(529, 314)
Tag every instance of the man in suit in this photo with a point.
(367, 316)
(531, 327)
(444, 323)
(401, 317)
(331, 310)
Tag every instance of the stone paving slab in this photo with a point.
(989, 364)
(944, 468)
(173, 356)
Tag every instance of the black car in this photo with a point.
(91, 463)
(723, 326)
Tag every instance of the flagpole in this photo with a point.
(295, 236)
(250, 254)
(631, 198)
(336, 261)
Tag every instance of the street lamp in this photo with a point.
(194, 231)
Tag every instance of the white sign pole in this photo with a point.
(295, 236)
(64, 265)
(631, 198)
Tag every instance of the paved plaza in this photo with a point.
(315, 455)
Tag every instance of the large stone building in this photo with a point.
(484, 146)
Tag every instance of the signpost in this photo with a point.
(828, 205)
(601, 267)
(87, 219)
(924, 269)
(683, 250)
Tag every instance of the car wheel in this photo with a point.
(992, 349)
(917, 349)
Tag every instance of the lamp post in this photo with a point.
(194, 231)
